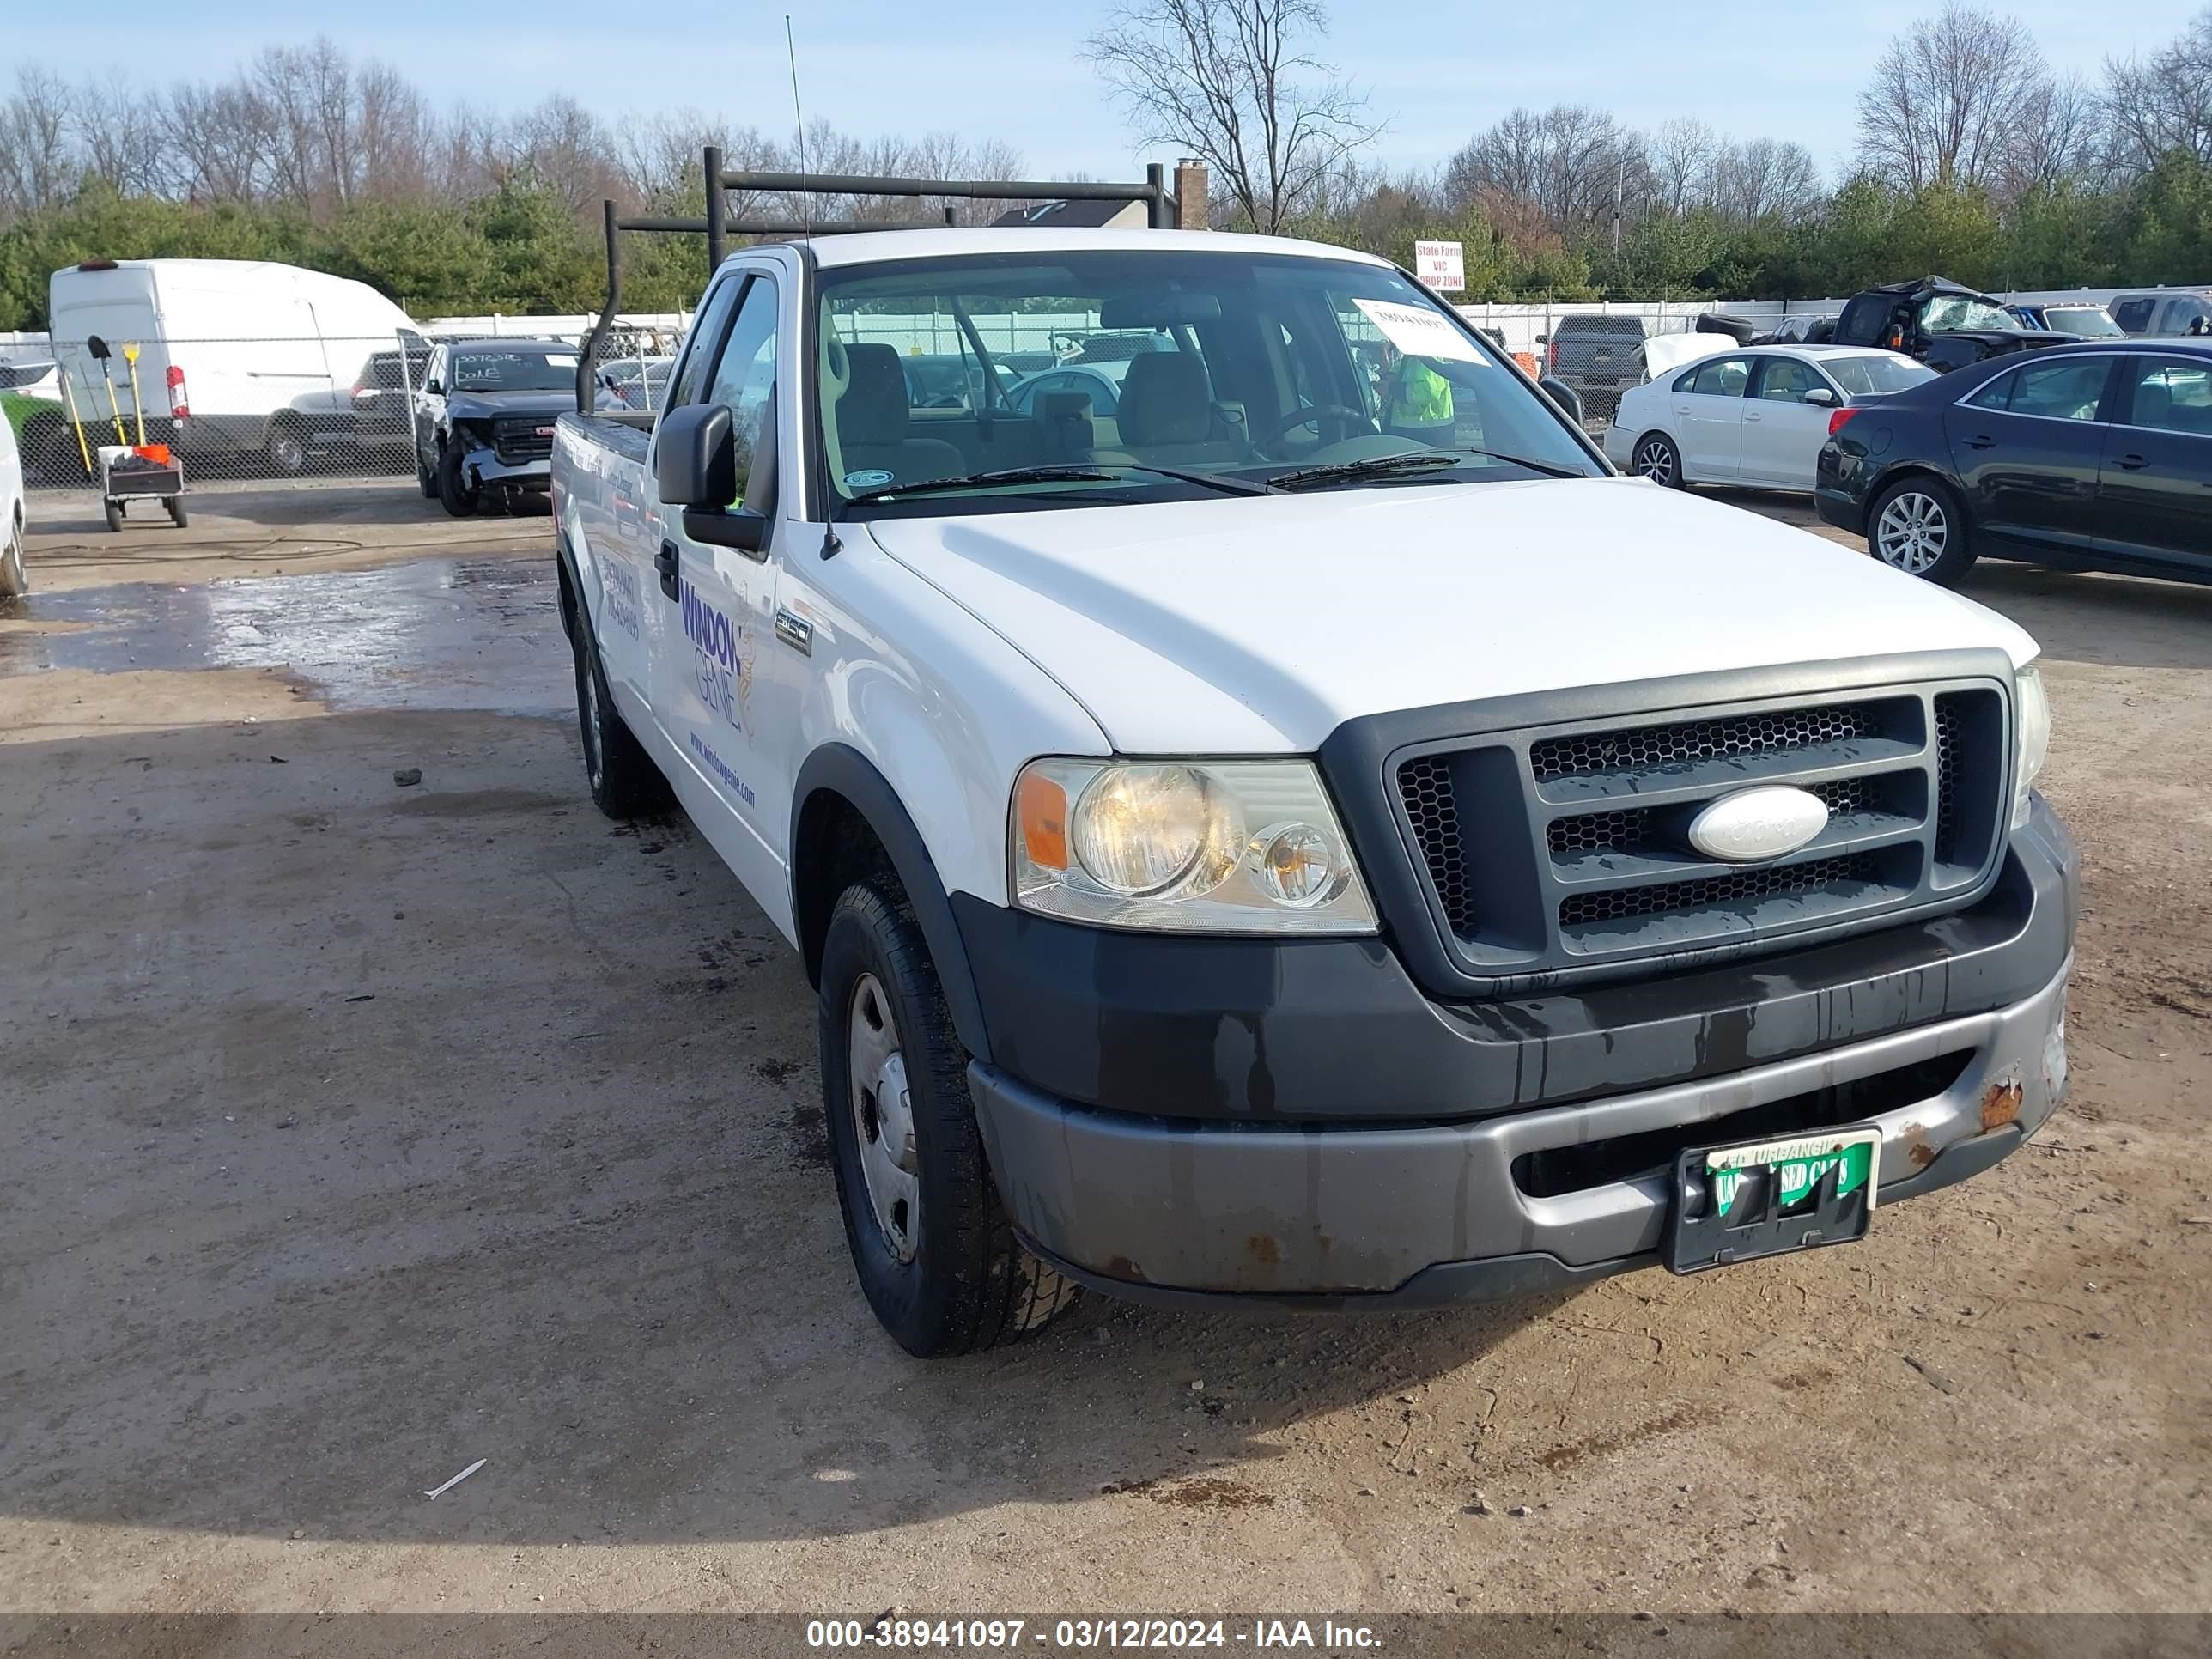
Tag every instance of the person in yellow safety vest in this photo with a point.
(1420, 399)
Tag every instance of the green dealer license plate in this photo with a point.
(1770, 1197)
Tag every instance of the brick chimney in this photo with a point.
(1190, 194)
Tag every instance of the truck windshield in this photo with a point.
(2090, 322)
(514, 371)
(1949, 312)
(1075, 378)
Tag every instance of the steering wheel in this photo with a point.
(1349, 422)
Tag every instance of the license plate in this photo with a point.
(1770, 1197)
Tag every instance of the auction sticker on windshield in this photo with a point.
(1420, 333)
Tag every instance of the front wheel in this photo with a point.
(1917, 526)
(1656, 457)
(113, 509)
(930, 1240)
(458, 497)
(15, 581)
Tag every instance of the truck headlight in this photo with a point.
(1202, 847)
(2031, 742)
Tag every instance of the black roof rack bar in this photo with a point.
(1160, 214)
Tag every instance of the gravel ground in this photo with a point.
(351, 1133)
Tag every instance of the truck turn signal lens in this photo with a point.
(1042, 806)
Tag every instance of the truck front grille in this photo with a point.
(519, 438)
(1553, 849)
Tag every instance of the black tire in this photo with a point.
(177, 515)
(624, 782)
(14, 578)
(453, 490)
(286, 450)
(1656, 457)
(1919, 526)
(952, 1278)
(114, 511)
(424, 482)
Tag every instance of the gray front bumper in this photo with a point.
(1166, 1212)
(485, 466)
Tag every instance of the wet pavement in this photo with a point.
(476, 634)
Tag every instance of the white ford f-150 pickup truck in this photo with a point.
(1308, 833)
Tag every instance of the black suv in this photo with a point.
(1936, 320)
(1599, 356)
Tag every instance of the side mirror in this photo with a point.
(1564, 395)
(1543, 339)
(696, 464)
(436, 388)
(1821, 396)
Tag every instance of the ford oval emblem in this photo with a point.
(1751, 824)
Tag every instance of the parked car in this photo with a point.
(1935, 320)
(2164, 311)
(384, 398)
(1599, 356)
(2090, 457)
(32, 377)
(2084, 320)
(1282, 858)
(638, 383)
(1100, 382)
(31, 406)
(483, 420)
(15, 517)
(239, 359)
(1755, 417)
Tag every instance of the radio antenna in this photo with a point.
(799, 127)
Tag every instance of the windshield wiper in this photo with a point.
(1417, 460)
(1074, 472)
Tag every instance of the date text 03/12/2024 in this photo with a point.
(1163, 1635)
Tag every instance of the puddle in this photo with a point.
(473, 634)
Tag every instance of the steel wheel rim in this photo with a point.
(1656, 461)
(289, 452)
(587, 688)
(1912, 532)
(882, 1118)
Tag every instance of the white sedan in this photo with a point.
(1757, 416)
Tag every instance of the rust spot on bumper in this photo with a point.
(1916, 1147)
(2001, 1101)
(1120, 1266)
(1264, 1250)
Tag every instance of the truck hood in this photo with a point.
(482, 405)
(1258, 625)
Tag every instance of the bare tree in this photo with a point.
(118, 132)
(1231, 83)
(1580, 167)
(2059, 136)
(2163, 104)
(1947, 99)
(1683, 154)
(35, 163)
(1766, 177)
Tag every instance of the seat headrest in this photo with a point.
(873, 410)
(2153, 404)
(1165, 399)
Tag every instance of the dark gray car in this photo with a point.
(483, 420)
(1599, 356)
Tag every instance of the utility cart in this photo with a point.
(140, 472)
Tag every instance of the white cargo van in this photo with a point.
(237, 357)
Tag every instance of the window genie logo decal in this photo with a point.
(721, 657)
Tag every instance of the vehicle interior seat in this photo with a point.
(2154, 405)
(875, 423)
(1167, 413)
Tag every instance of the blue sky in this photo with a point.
(997, 69)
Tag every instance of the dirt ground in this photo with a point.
(351, 1133)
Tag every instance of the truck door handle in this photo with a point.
(1981, 442)
(2131, 462)
(665, 562)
